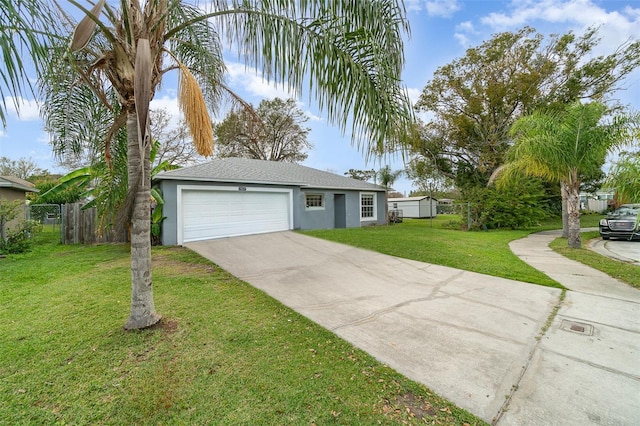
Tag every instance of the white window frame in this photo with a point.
(314, 194)
(374, 206)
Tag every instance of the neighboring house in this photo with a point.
(238, 196)
(597, 202)
(12, 189)
(416, 207)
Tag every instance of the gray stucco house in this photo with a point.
(238, 196)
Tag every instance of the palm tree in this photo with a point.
(387, 177)
(350, 53)
(564, 146)
(22, 26)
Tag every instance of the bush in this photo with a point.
(19, 240)
(520, 203)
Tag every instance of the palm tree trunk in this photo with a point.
(573, 212)
(564, 195)
(143, 312)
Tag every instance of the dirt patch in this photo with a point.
(167, 325)
(415, 406)
(409, 405)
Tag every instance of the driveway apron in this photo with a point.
(469, 337)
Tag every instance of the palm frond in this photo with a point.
(350, 52)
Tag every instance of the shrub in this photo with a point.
(19, 240)
(518, 204)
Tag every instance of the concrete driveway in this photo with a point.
(467, 336)
(623, 250)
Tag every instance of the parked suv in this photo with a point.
(621, 223)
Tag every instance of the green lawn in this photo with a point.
(225, 353)
(431, 241)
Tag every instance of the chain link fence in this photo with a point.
(48, 215)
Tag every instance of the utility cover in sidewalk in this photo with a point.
(577, 327)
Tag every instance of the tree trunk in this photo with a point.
(573, 211)
(143, 312)
(564, 194)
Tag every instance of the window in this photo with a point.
(367, 206)
(314, 201)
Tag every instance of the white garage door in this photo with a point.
(208, 214)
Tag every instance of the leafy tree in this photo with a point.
(625, 178)
(45, 183)
(350, 52)
(428, 179)
(476, 99)
(561, 146)
(23, 168)
(361, 174)
(273, 132)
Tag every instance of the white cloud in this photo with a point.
(251, 81)
(414, 94)
(614, 27)
(443, 8)
(463, 39)
(169, 104)
(23, 109)
(466, 26)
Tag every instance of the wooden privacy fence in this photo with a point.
(81, 227)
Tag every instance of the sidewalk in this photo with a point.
(586, 368)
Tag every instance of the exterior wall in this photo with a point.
(169, 235)
(10, 195)
(346, 202)
(415, 208)
(409, 208)
(326, 218)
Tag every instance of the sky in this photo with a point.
(441, 31)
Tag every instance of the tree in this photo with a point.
(349, 52)
(562, 146)
(45, 183)
(24, 26)
(476, 99)
(387, 177)
(23, 168)
(175, 144)
(625, 177)
(364, 175)
(274, 132)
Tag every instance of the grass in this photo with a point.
(430, 241)
(224, 353)
(626, 272)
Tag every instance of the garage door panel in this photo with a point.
(210, 214)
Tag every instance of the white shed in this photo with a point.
(416, 207)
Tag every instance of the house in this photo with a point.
(12, 189)
(238, 196)
(415, 207)
(597, 202)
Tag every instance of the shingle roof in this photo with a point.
(244, 170)
(17, 183)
